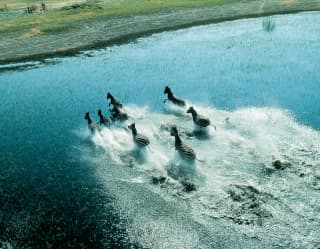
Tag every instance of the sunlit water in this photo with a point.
(265, 83)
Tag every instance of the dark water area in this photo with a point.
(53, 197)
(51, 200)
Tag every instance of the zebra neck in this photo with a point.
(177, 140)
(111, 97)
(134, 131)
(170, 95)
(194, 116)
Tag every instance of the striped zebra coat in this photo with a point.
(174, 99)
(186, 152)
(139, 139)
(199, 120)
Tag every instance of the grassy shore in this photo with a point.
(69, 26)
(70, 13)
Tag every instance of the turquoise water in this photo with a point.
(267, 83)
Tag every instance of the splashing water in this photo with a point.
(236, 182)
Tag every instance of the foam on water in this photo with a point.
(236, 182)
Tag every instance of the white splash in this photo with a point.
(236, 180)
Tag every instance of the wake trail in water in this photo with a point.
(237, 181)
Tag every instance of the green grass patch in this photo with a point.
(67, 17)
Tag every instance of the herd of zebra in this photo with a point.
(118, 115)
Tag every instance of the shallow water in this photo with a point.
(100, 186)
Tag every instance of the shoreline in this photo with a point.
(123, 30)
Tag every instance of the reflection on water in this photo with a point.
(61, 188)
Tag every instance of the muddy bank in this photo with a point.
(100, 33)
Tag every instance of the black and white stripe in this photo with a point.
(199, 120)
(186, 152)
(139, 139)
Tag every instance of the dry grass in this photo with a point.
(32, 32)
(288, 2)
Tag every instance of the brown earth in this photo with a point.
(100, 33)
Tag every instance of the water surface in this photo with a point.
(62, 187)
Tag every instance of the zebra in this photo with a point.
(113, 101)
(186, 152)
(117, 115)
(198, 120)
(174, 99)
(104, 120)
(93, 127)
(139, 139)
